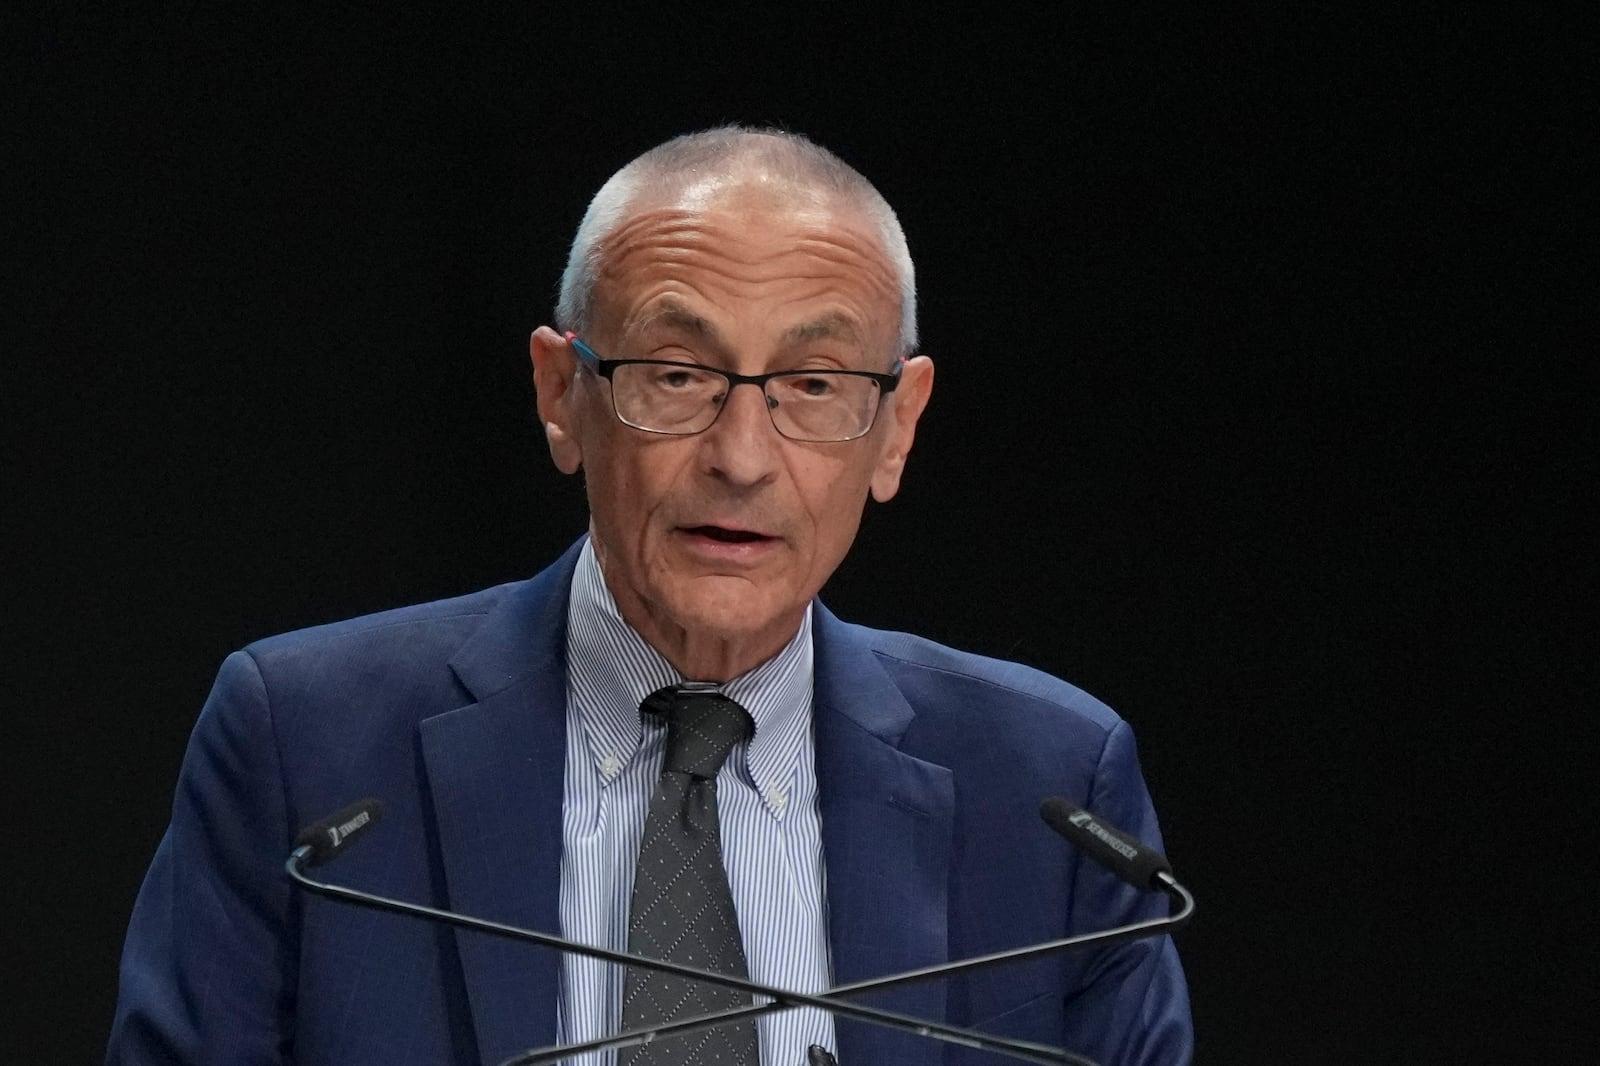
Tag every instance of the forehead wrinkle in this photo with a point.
(723, 243)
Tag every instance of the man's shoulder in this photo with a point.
(934, 675)
(502, 625)
(430, 625)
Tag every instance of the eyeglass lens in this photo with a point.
(819, 406)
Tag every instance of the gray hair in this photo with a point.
(801, 161)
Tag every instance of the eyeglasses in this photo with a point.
(659, 396)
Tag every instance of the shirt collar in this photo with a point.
(611, 669)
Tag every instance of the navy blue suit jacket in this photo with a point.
(930, 766)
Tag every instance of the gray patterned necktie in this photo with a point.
(682, 909)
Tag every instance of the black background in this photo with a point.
(1261, 414)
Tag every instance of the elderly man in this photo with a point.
(662, 744)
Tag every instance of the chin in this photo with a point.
(729, 609)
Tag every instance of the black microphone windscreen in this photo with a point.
(1118, 852)
(333, 833)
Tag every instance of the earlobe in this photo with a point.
(554, 370)
(910, 399)
(564, 450)
(886, 481)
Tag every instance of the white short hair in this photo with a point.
(804, 163)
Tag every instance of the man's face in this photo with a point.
(713, 544)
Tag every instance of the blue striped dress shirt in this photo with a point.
(767, 807)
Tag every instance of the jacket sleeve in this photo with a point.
(208, 967)
(1132, 1008)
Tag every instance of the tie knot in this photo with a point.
(702, 727)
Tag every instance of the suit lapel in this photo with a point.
(887, 820)
(495, 771)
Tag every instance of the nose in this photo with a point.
(742, 444)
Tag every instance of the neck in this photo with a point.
(702, 657)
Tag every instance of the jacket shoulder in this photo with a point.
(436, 625)
(930, 672)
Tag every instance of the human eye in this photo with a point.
(817, 385)
(675, 377)
(667, 378)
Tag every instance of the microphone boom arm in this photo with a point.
(1116, 934)
(781, 1000)
(1027, 1050)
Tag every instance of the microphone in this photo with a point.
(324, 839)
(328, 837)
(1118, 852)
(1145, 869)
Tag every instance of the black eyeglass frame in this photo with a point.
(605, 368)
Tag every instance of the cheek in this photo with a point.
(629, 481)
(835, 504)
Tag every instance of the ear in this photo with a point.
(907, 402)
(555, 369)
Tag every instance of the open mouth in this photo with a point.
(727, 536)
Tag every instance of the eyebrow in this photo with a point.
(832, 326)
(673, 314)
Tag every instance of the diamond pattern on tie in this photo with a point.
(682, 909)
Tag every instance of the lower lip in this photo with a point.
(733, 551)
